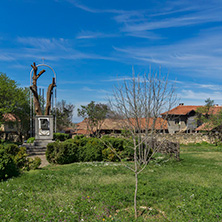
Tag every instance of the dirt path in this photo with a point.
(43, 159)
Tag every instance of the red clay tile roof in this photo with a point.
(181, 110)
(117, 124)
(205, 127)
(184, 110)
(160, 123)
(9, 117)
(215, 109)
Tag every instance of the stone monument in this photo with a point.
(43, 123)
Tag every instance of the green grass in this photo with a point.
(188, 190)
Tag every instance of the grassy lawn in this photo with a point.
(188, 190)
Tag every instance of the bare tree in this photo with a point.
(49, 95)
(140, 101)
(34, 90)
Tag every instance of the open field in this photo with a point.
(188, 190)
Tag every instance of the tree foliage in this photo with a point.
(95, 114)
(14, 100)
(211, 117)
(64, 113)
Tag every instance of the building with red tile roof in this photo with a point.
(183, 118)
(117, 125)
(9, 126)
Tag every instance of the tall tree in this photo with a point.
(14, 100)
(140, 102)
(95, 114)
(64, 114)
(205, 114)
(210, 116)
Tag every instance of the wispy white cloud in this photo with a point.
(144, 19)
(44, 43)
(94, 35)
(202, 54)
(117, 79)
(76, 82)
(144, 34)
(208, 86)
(4, 56)
(86, 88)
(50, 48)
(190, 94)
(77, 4)
(198, 86)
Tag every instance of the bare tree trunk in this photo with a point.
(49, 95)
(34, 88)
(135, 194)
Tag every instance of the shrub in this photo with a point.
(68, 153)
(110, 155)
(33, 164)
(11, 149)
(13, 159)
(8, 167)
(126, 133)
(52, 149)
(62, 153)
(91, 151)
(20, 157)
(30, 140)
(123, 147)
(60, 136)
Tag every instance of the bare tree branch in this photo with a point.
(140, 102)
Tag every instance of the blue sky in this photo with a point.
(93, 44)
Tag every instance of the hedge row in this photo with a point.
(83, 149)
(13, 159)
(56, 137)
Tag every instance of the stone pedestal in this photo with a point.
(43, 130)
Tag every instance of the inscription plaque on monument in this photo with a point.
(44, 129)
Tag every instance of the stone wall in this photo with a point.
(185, 138)
(182, 138)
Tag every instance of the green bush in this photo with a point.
(11, 149)
(60, 136)
(13, 159)
(91, 151)
(33, 164)
(30, 140)
(8, 167)
(110, 155)
(62, 153)
(68, 153)
(123, 147)
(21, 158)
(126, 133)
(51, 151)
